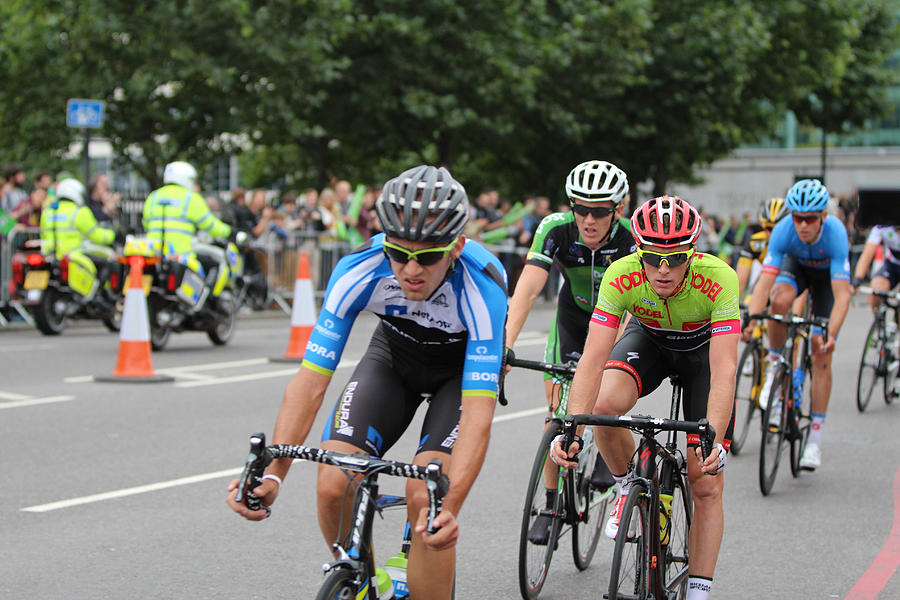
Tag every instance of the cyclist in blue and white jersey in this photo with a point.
(808, 251)
(887, 276)
(442, 305)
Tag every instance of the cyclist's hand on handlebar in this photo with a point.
(829, 345)
(747, 330)
(267, 491)
(561, 457)
(715, 462)
(447, 530)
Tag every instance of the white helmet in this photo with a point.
(597, 181)
(71, 189)
(180, 173)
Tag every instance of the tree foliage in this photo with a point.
(508, 94)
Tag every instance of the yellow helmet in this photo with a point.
(772, 211)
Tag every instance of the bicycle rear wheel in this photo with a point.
(339, 585)
(534, 558)
(589, 509)
(746, 394)
(631, 556)
(774, 425)
(869, 366)
(676, 538)
(889, 362)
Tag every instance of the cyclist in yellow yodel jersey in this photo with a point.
(754, 250)
(686, 322)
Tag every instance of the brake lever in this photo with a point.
(251, 477)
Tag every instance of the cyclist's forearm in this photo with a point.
(302, 399)
(722, 371)
(589, 373)
(760, 297)
(469, 449)
(841, 291)
(530, 284)
(865, 260)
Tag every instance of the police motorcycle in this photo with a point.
(180, 290)
(87, 282)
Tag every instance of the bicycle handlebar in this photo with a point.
(645, 425)
(794, 320)
(436, 482)
(892, 299)
(562, 369)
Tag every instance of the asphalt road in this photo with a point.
(118, 490)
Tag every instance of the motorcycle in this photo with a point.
(179, 291)
(55, 290)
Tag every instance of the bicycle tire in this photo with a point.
(339, 585)
(631, 555)
(675, 567)
(746, 393)
(801, 423)
(589, 509)
(869, 365)
(534, 559)
(771, 442)
(890, 374)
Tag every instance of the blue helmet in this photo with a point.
(807, 195)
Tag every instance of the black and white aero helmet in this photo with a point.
(423, 204)
(597, 181)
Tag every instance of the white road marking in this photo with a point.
(35, 401)
(12, 396)
(253, 376)
(142, 489)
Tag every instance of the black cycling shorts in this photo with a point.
(648, 363)
(890, 271)
(817, 281)
(568, 332)
(386, 388)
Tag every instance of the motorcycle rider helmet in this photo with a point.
(71, 189)
(667, 221)
(772, 211)
(807, 195)
(597, 181)
(423, 204)
(180, 173)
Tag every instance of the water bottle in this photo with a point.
(798, 386)
(385, 586)
(396, 568)
(665, 518)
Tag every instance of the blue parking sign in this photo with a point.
(84, 113)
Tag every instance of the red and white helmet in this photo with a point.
(667, 221)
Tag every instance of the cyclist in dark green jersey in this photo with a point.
(582, 243)
(686, 322)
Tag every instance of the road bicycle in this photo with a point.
(352, 575)
(651, 554)
(747, 387)
(787, 413)
(879, 353)
(575, 506)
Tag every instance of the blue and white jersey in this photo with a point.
(468, 310)
(829, 251)
(888, 237)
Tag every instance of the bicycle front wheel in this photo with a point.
(589, 508)
(774, 425)
(799, 424)
(869, 366)
(631, 556)
(746, 394)
(889, 363)
(339, 585)
(540, 523)
(676, 536)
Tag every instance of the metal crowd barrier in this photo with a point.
(8, 246)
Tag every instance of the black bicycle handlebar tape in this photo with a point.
(501, 390)
(251, 476)
(437, 484)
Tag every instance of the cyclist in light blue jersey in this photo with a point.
(442, 305)
(809, 251)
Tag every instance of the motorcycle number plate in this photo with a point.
(37, 280)
(147, 282)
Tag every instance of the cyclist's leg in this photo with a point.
(634, 369)
(371, 414)
(821, 378)
(430, 573)
(785, 290)
(709, 519)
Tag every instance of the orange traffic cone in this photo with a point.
(303, 314)
(134, 364)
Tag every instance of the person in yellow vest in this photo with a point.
(68, 228)
(175, 212)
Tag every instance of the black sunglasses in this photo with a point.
(598, 212)
(808, 219)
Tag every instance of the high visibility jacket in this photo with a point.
(64, 225)
(173, 214)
